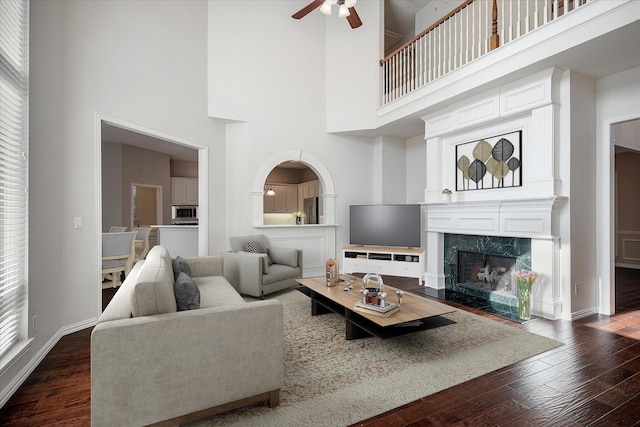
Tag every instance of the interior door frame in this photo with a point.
(203, 187)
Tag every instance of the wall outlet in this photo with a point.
(576, 288)
(35, 323)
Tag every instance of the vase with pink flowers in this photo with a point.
(524, 282)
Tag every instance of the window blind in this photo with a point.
(14, 106)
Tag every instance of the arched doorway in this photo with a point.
(292, 193)
(327, 193)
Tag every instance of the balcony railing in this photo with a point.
(470, 31)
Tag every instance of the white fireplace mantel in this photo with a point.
(533, 218)
(532, 210)
(527, 218)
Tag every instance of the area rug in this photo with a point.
(333, 382)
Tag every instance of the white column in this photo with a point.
(434, 170)
(434, 276)
(545, 296)
(329, 203)
(540, 153)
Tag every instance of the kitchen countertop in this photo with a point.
(186, 227)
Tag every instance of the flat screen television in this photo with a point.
(384, 225)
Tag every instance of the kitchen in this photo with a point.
(148, 182)
(292, 187)
(181, 237)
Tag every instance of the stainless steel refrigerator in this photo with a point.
(311, 210)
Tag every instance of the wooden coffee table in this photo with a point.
(416, 313)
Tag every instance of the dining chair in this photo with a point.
(141, 243)
(117, 255)
(117, 229)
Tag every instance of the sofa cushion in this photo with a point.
(215, 291)
(284, 256)
(278, 272)
(187, 292)
(153, 292)
(159, 252)
(257, 248)
(180, 265)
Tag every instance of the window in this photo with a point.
(14, 113)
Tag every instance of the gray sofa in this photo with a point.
(151, 363)
(250, 273)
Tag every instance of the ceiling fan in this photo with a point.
(346, 10)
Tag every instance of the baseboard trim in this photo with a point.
(15, 383)
(633, 266)
(584, 313)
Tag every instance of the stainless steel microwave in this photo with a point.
(181, 213)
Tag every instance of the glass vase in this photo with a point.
(524, 302)
(298, 220)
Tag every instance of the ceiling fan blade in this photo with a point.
(353, 18)
(307, 9)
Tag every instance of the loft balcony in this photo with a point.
(484, 44)
(470, 31)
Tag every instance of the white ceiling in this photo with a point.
(175, 151)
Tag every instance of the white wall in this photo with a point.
(390, 162)
(352, 77)
(583, 180)
(272, 80)
(416, 173)
(107, 58)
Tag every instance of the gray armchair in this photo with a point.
(250, 272)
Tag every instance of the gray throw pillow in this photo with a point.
(257, 248)
(180, 265)
(187, 293)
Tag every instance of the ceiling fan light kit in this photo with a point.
(325, 8)
(346, 9)
(343, 12)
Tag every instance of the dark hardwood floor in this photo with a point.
(593, 380)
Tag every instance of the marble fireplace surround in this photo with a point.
(534, 219)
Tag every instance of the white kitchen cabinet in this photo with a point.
(285, 200)
(184, 191)
(291, 198)
(179, 239)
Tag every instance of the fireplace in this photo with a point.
(486, 271)
(478, 270)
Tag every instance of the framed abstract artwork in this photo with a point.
(490, 163)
